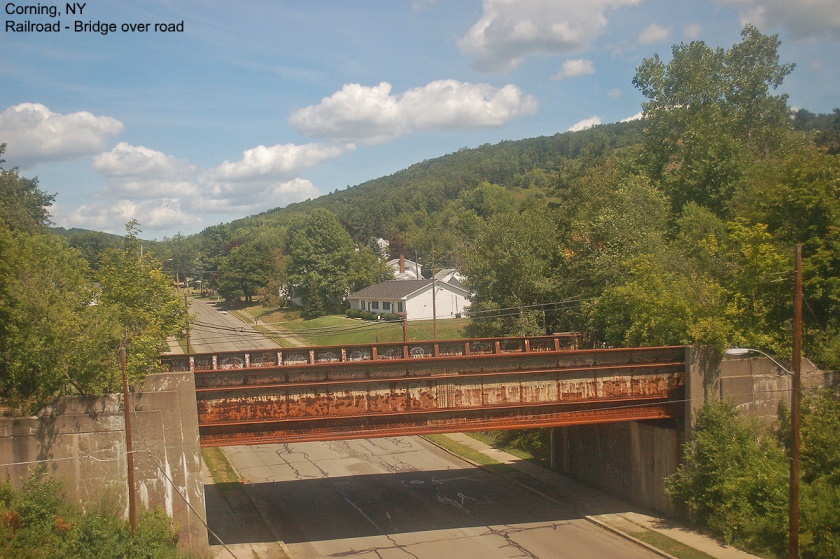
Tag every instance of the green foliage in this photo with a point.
(319, 253)
(659, 306)
(733, 479)
(708, 113)
(536, 442)
(138, 301)
(23, 206)
(246, 269)
(45, 303)
(513, 265)
(366, 315)
(38, 521)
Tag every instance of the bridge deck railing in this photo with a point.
(429, 349)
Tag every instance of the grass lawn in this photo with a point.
(669, 545)
(340, 330)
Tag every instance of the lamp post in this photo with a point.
(795, 399)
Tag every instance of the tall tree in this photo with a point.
(318, 252)
(514, 268)
(709, 113)
(246, 270)
(23, 206)
(140, 302)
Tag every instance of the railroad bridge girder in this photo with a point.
(308, 394)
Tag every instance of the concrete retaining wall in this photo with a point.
(82, 442)
(630, 459)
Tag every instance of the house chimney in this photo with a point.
(402, 264)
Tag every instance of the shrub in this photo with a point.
(38, 520)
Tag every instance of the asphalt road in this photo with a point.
(216, 330)
(404, 497)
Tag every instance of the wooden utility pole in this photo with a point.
(187, 305)
(795, 398)
(129, 447)
(434, 298)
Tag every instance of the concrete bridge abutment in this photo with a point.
(82, 442)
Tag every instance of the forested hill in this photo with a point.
(529, 168)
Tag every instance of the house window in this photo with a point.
(375, 305)
(400, 306)
(386, 306)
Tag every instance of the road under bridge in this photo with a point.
(363, 391)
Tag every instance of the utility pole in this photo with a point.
(187, 305)
(129, 447)
(795, 398)
(434, 298)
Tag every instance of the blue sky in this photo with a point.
(257, 104)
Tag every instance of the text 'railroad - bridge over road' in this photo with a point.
(363, 391)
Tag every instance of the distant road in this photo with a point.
(216, 330)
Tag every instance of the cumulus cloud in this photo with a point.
(803, 20)
(165, 193)
(153, 215)
(141, 172)
(35, 134)
(510, 30)
(282, 161)
(638, 116)
(654, 33)
(575, 68)
(244, 198)
(692, 31)
(371, 115)
(585, 123)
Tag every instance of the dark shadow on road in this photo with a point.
(366, 505)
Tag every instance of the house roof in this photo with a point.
(391, 289)
(400, 289)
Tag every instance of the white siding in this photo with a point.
(448, 303)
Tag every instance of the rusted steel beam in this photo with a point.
(440, 366)
(447, 423)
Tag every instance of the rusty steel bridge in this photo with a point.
(360, 391)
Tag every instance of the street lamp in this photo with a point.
(739, 351)
(795, 398)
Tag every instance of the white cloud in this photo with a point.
(803, 20)
(373, 114)
(654, 33)
(509, 30)
(692, 31)
(575, 68)
(164, 193)
(140, 172)
(152, 215)
(282, 161)
(637, 116)
(239, 198)
(35, 134)
(585, 123)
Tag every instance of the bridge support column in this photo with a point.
(628, 459)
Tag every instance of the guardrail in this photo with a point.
(368, 352)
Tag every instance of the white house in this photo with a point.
(406, 269)
(413, 297)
